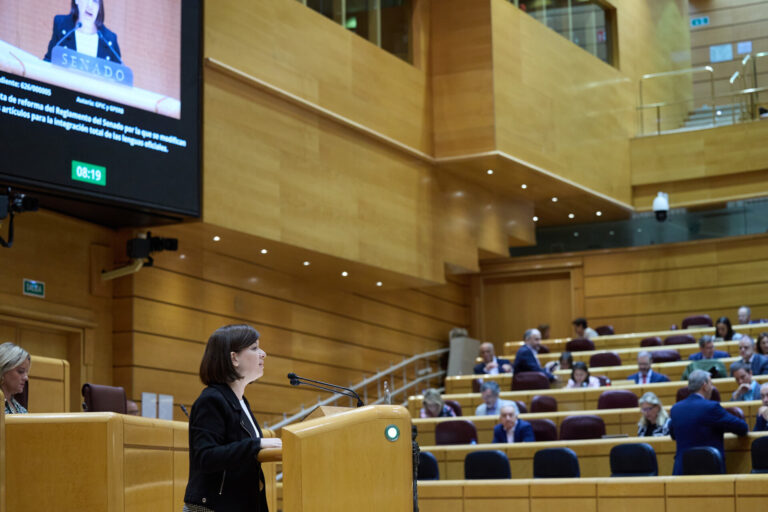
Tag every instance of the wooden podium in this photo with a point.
(357, 460)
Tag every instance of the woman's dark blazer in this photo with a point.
(64, 23)
(224, 474)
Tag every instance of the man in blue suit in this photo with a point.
(758, 362)
(511, 429)
(699, 421)
(707, 350)
(491, 364)
(645, 375)
(527, 359)
(762, 413)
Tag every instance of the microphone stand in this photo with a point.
(325, 386)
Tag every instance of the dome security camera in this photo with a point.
(661, 206)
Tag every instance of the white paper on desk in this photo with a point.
(165, 407)
(149, 405)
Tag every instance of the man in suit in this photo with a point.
(492, 404)
(762, 413)
(707, 350)
(645, 375)
(757, 362)
(527, 359)
(699, 421)
(744, 314)
(491, 365)
(511, 429)
(747, 389)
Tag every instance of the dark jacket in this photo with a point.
(655, 377)
(523, 433)
(759, 364)
(63, 24)
(480, 367)
(223, 471)
(525, 361)
(697, 421)
(698, 356)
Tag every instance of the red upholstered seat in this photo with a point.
(617, 399)
(604, 330)
(543, 403)
(584, 426)
(453, 404)
(652, 341)
(521, 406)
(98, 398)
(579, 345)
(455, 432)
(684, 392)
(679, 339)
(543, 429)
(697, 321)
(605, 359)
(665, 356)
(529, 380)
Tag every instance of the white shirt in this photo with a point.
(87, 43)
(248, 413)
(511, 434)
(494, 371)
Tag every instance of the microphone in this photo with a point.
(184, 410)
(77, 26)
(109, 45)
(330, 388)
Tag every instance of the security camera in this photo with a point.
(661, 206)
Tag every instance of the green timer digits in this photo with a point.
(89, 173)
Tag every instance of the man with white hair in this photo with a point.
(527, 359)
(699, 421)
(757, 362)
(744, 315)
(644, 374)
(491, 364)
(512, 429)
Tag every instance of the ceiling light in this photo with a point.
(535, 218)
(216, 238)
(489, 171)
(182, 256)
(598, 213)
(523, 186)
(554, 199)
(570, 215)
(379, 283)
(264, 251)
(344, 274)
(306, 263)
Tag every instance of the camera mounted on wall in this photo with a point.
(139, 250)
(12, 203)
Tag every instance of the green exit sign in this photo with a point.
(89, 173)
(34, 288)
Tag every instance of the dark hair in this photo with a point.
(567, 356)
(581, 322)
(706, 339)
(580, 365)
(740, 365)
(216, 366)
(75, 13)
(724, 320)
(758, 347)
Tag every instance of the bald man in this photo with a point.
(491, 364)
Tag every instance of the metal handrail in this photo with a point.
(377, 378)
(676, 72)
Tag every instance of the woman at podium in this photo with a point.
(83, 30)
(224, 437)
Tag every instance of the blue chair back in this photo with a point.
(486, 464)
(556, 463)
(633, 459)
(428, 469)
(760, 455)
(703, 460)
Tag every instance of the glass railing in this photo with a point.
(586, 23)
(385, 23)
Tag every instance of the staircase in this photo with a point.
(701, 118)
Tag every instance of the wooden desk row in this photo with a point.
(723, 493)
(674, 370)
(632, 340)
(629, 355)
(617, 421)
(583, 398)
(593, 455)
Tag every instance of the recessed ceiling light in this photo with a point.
(344, 274)
(523, 186)
(264, 251)
(379, 283)
(535, 218)
(598, 213)
(489, 171)
(216, 238)
(554, 199)
(458, 193)
(570, 215)
(576, 234)
(182, 256)
(306, 263)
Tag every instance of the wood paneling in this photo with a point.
(650, 288)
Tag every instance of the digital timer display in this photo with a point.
(89, 173)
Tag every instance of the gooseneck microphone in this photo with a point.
(77, 26)
(184, 410)
(331, 388)
(109, 45)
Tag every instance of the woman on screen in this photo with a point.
(224, 438)
(14, 373)
(83, 30)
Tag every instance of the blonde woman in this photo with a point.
(655, 420)
(433, 405)
(14, 373)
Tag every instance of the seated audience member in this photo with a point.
(433, 406)
(655, 420)
(714, 367)
(744, 315)
(645, 375)
(707, 350)
(580, 377)
(747, 389)
(581, 329)
(527, 359)
(762, 344)
(491, 365)
(544, 330)
(699, 421)
(492, 404)
(724, 330)
(565, 362)
(132, 408)
(762, 413)
(757, 362)
(14, 373)
(512, 429)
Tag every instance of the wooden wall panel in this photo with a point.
(645, 288)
